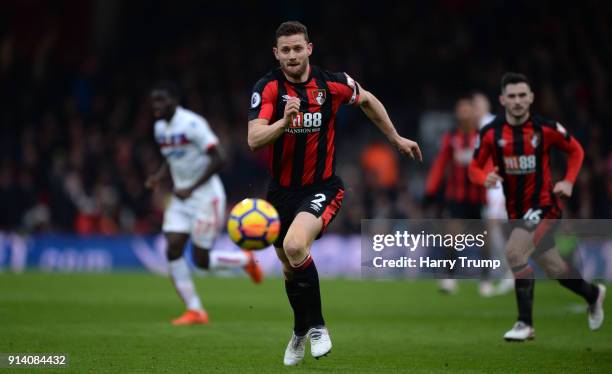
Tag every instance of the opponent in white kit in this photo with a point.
(197, 206)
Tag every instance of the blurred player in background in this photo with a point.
(463, 199)
(293, 112)
(495, 211)
(520, 144)
(197, 207)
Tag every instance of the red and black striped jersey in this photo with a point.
(305, 153)
(522, 155)
(455, 154)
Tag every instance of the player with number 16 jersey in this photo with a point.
(521, 144)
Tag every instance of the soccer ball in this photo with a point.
(253, 224)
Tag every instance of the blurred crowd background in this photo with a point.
(77, 133)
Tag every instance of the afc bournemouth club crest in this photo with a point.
(319, 96)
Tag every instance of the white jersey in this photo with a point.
(184, 142)
(496, 201)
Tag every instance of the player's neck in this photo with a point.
(466, 127)
(517, 121)
(171, 115)
(302, 78)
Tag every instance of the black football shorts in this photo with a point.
(321, 200)
(543, 222)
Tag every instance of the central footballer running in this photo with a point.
(293, 112)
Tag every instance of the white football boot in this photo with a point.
(295, 350)
(485, 288)
(320, 343)
(520, 332)
(596, 312)
(448, 286)
(505, 285)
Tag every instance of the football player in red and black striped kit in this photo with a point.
(293, 113)
(463, 198)
(520, 145)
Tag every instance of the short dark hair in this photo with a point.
(291, 28)
(463, 97)
(170, 87)
(513, 78)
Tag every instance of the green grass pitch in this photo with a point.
(120, 323)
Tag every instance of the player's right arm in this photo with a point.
(154, 179)
(263, 108)
(261, 133)
(482, 153)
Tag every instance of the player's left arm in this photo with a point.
(376, 112)
(561, 139)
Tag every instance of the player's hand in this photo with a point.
(292, 107)
(152, 182)
(563, 189)
(183, 193)
(408, 147)
(493, 178)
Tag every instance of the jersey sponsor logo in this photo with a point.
(172, 140)
(255, 100)
(319, 96)
(172, 146)
(517, 165)
(305, 123)
(177, 153)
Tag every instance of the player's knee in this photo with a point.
(294, 247)
(174, 251)
(515, 257)
(201, 257)
(553, 269)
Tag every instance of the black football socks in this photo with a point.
(574, 282)
(523, 288)
(305, 297)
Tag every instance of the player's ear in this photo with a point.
(309, 48)
(275, 51)
(502, 100)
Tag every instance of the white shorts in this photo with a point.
(496, 203)
(201, 215)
